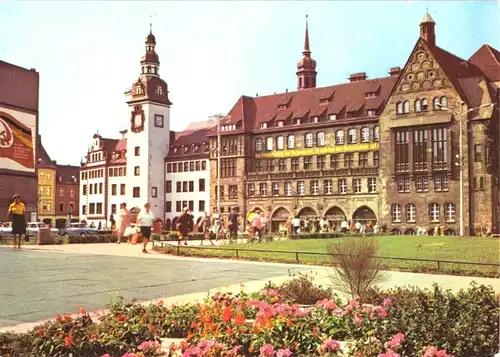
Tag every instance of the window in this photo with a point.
(91, 208)
(228, 167)
(301, 188)
(328, 187)
(203, 165)
(406, 107)
(297, 121)
(436, 104)
(137, 150)
(61, 192)
(282, 164)
(420, 150)
(444, 102)
(450, 212)
(168, 206)
(110, 171)
(396, 213)
(295, 163)
(99, 208)
(263, 189)
(174, 167)
(136, 192)
(113, 208)
(478, 153)
(158, 117)
(332, 117)
(411, 212)
(198, 166)
(84, 209)
(365, 135)
(280, 145)
(320, 139)
(100, 187)
(184, 186)
(356, 185)
(270, 165)
(339, 137)
(334, 161)
(314, 187)
(259, 166)
(263, 125)
(191, 166)
(376, 133)
(201, 205)
(201, 185)
(122, 189)
(375, 158)
(61, 207)
(308, 141)
(291, 142)
(372, 185)
(168, 186)
(371, 113)
(403, 183)
(276, 188)
(191, 205)
(425, 105)
(440, 183)
(233, 191)
(251, 189)
(288, 188)
(399, 108)
(137, 170)
(258, 144)
(402, 160)
(434, 212)
(71, 193)
(418, 106)
(178, 186)
(342, 186)
(279, 123)
(439, 149)
(320, 162)
(154, 192)
(363, 159)
(191, 186)
(113, 189)
(351, 136)
(348, 160)
(269, 144)
(308, 163)
(421, 183)
(314, 119)
(178, 206)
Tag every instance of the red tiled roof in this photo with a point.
(19, 86)
(487, 59)
(44, 160)
(121, 145)
(189, 137)
(109, 145)
(66, 173)
(351, 95)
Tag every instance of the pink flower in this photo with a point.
(348, 309)
(284, 353)
(129, 355)
(395, 342)
(234, 351)
(354, 303)
(330, 345)
(106, 355)
(271, 293)
(387, 302)
(357, 321)
(434, 352)
(327, 304)
(389, 354)
(149, 346)
(267, 350)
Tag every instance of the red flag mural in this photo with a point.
(16, 141)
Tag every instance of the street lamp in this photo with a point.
(70, 212)
(217, 149)
(462, 115)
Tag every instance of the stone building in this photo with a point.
(363, 150)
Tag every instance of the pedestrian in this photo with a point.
(233, 224)
(183, 223)
(216, 223)
(296, 224)
(145, 220)
(17, 216)
(112, 221)
(123, 222)
(256, 226)
(206, 225)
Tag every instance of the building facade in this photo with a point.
(187, 174)
(67, 195)
(19, 93)
(380, 150)
(46, 185)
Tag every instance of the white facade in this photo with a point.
(117, 188)
(188, 186)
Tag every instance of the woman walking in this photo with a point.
(123, 222)
(183, 225)
(17, 215)
(145, 220)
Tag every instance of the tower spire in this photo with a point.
(306, 74)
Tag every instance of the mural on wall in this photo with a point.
(17, 141)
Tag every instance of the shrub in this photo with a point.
(301, 289)
(356, 267)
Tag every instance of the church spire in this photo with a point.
(306, 74)
(150, 62)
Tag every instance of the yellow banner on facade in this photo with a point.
(318, 151)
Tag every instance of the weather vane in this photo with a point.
(151, 22)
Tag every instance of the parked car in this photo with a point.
(77, 229)
(5, 229)
(33, 228)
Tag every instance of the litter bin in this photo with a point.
(44, 236)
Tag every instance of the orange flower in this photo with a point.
(239, 319)
(226, 316)
(194, 325)
(68, 340)
(255, 329)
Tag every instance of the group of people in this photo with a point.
(298, 225)
(144, 221)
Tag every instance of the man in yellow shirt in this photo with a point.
(17, 215)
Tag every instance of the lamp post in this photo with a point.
(70, 212)
(218, 151)
(462, 115)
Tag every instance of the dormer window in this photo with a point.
(371, 113)
(60, 178)
(159, 90)
(323, 101)
(282, 106)
(279, 123)
(370, 95)
(297, 121)
(196, 148)
(315, 119)
(175, 150)
(186, 149)
(332, 117)
(263, 125)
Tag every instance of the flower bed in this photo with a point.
(404, 322)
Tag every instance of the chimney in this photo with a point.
(395, 71)
(286, 91)
(357, 77)
(256, 94)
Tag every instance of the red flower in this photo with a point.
(228, 313)
(229, 331)
(239, 319)
(68, 340)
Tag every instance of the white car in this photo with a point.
(33, 228)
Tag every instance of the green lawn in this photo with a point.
(466, 249)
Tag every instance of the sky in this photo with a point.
(211, 53)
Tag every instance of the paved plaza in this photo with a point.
(40, 281)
